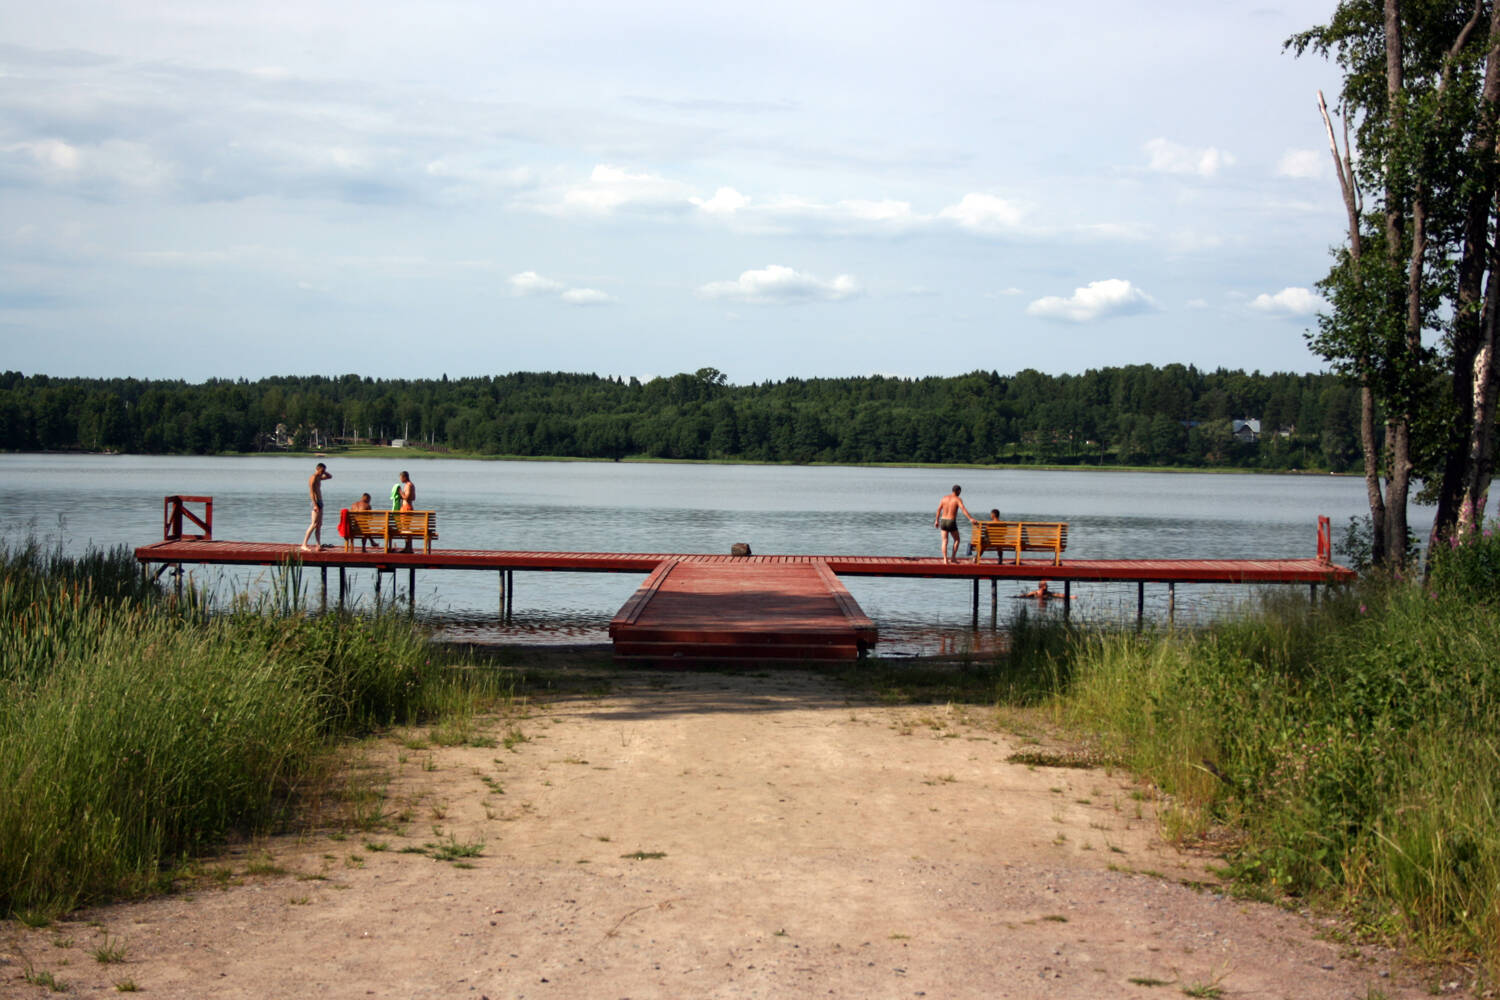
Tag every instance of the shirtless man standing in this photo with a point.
(407, 491)
(315, 491)
(946, 521)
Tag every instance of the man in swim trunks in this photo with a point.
(946, 521)
(315, 491)
(406, 491)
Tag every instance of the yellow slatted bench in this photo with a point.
(391, 526)
(1021, 536)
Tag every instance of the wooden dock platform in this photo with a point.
(724, 606)
(764, 610)
(767, 607)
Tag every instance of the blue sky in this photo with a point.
(194, 189)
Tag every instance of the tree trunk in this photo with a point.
(1372, 472)
(1398, 429)
(1397, 489)
(1471, 346)
(1485, 381)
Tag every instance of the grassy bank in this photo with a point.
(133, 733)
(1352, 748)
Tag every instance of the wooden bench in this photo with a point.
(1021, 536)
(390, 526)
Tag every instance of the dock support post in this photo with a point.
(179, 581)
(976, 600)
(1067, 598)
(994, 597)
(378, 574)
(343, 584)
(1140, 604)
(323, 587)
(411, 587)
(1313, 596)
(502, 595)
(1172, 603)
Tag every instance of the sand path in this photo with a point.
(716, 835)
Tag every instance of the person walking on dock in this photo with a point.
(946, 522)
(315, 491)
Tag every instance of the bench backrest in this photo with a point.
(1006, 534)
(376, 522)
(416, 521)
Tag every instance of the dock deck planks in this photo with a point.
(742, 610)
(1079, 570)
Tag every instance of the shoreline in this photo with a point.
(424, 455)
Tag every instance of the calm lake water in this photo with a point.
(83, 500)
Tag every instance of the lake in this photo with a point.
(104, 501)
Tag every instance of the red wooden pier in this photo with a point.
(721, 606)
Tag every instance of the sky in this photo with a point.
(195, 189)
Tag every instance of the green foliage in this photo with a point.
(1353, 743)
(1468, 568)
(1174, 415)
(132, 734)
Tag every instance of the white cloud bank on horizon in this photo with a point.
(777, 283)
(1171, 158)
(611, 190)
(1291, 301)
(1096, 300)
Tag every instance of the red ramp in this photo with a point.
(752, 608)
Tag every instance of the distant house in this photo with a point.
(398, 442)
(1246, 431)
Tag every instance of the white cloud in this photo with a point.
(1170, 158)
(610, 189)
(777, 283)
(984, 213)
(586, 297)
(849, 215)
(531, 283)
(1302, 164)
(1097, 300)
(112, 164)
(1291, 301)
(445, 168)
(726, 201)
(53, 154)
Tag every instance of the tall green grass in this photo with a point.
(1353, 744)
(134, 733)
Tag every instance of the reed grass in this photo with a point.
(1352, 745)
(136, 731)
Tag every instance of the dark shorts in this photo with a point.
(948, 524)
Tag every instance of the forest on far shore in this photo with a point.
(1175, 415)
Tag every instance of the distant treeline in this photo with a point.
(1136, 415)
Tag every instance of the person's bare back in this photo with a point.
(946, 522)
